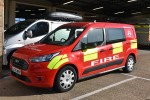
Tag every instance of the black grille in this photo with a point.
(19, 63)
(21, 77)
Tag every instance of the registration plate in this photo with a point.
(16, 70)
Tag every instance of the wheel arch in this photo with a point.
(55, 83)
(10, 54)
(132, 54)
(72, 65)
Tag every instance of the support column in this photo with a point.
(1, 30)
(51, 9)
(6, 7)
(81, 14)
(12, 14)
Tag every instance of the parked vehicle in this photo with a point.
(28, 32)
(74, 51)
(143, 34)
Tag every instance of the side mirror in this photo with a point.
(87, 46)
(29, 34)
(83, 46)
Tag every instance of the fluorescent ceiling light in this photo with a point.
(148, 7)
(16, 11)
(41, 9)
(136, 13)
(132, 0)
(119, 12)
(98, 8)
(32, 14)
(27, 10)
(67, 2)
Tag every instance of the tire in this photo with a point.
(65, 79)
(129, 66)
(9, 57)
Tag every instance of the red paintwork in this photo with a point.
(75, 58)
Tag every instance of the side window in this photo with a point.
(114, 35)
(93, 38)
(39, 29)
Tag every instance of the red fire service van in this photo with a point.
(74, 51)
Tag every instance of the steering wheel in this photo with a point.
(62, 39)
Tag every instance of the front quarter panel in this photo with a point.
(9, 49)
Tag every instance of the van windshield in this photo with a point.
(17, 28)
(62, 36)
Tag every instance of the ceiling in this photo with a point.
(118, 8)
(91, 8)
(29, 12)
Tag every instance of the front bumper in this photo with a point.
(40, 78)
(5, 61)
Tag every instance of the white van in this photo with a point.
(28, 32)
(24, 33)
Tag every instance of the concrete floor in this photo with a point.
(111, 86)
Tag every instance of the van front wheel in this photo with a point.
(65, 79)
(129, 64)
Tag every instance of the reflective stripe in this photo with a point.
(64, 56)
(133, 44)
(89, 51)
(90, 57)
(137, 26)
(117, 47)
(60, 63)
(90, 54)
(142, 26)
(54, 61)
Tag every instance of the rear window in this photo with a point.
(114, 35)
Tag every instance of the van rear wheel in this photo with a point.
(65, 79)
(129, 67)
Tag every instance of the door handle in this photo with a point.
(102, 50)
(128, 43)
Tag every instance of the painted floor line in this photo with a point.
(102, 89)
(136, 76)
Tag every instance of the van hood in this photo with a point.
(7, 36)
(38, 49)
(12, 39)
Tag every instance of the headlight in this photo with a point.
(44, 58)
